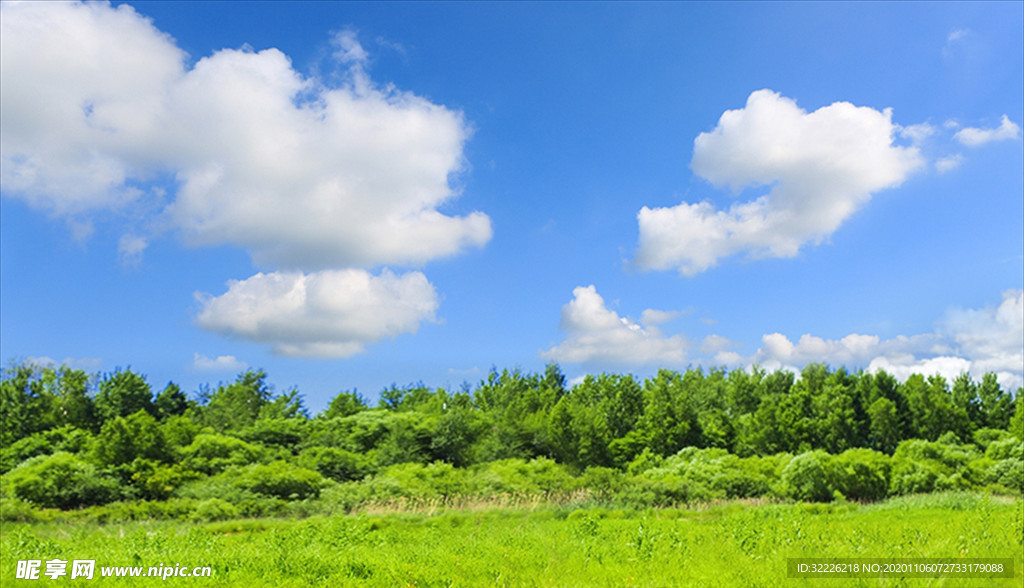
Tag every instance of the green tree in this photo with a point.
(123, 393)
(884, 425)
(237, 405)
(171, 402)
(996, 405)
(343, 405)
(23, 404)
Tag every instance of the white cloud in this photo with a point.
(130, 249)
(300, 173)
(221, 363)
(956, 35)
(332, 313)
(596, 334)
(973, 137)
(348, 49)
(822, 166)
(977, 341)
(992, 337)
(82, 88)
(945, 164)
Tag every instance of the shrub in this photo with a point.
(66, 438)
(214, 509)
(863, 474)
(337, 464)
(280, 479)
(61, 480)
(810, 476)
(212, 452)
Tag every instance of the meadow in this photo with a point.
(734, 543)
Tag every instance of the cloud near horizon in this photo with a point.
(976, 341)
(596, 334)
(821, 168)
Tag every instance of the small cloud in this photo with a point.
(348, 49)
(917, 133)
(392, 45)
(651, 317)
(716, 344)
(222, 363)
(974, 137)
(957, 35)
(945, 164)
(130, 249)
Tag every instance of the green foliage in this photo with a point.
(123, 393)
(811, 476)
(279, 479)
(214, 509)
(343, 405)
(237, 405)
(337, 464)
(171, 402)
(122, 440)
(61, 480)
(678, 438)
(66, 438)
(212, 452)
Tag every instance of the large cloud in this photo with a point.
(306, 175)
(300, 173)
(83, 89)
(822, 167)
(598, 335)
(332, 313)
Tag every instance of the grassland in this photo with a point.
(729, 544)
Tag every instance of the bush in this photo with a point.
(337, 464)
(61, 480)
(810, 476)
(280, 479)
(925, 466)
(212, 452)
(66, 438)
(863, 474)
(214, 509)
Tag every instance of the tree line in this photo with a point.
(110, 437)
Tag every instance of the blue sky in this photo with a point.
(350, 195)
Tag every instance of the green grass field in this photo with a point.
(733, 544)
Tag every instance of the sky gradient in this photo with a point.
(355, 195)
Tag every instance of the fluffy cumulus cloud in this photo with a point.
(976, 341)
(974, 137)
(331, 313)
(821, 167)
(301, 174)
(306, 175)
(597, 335)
